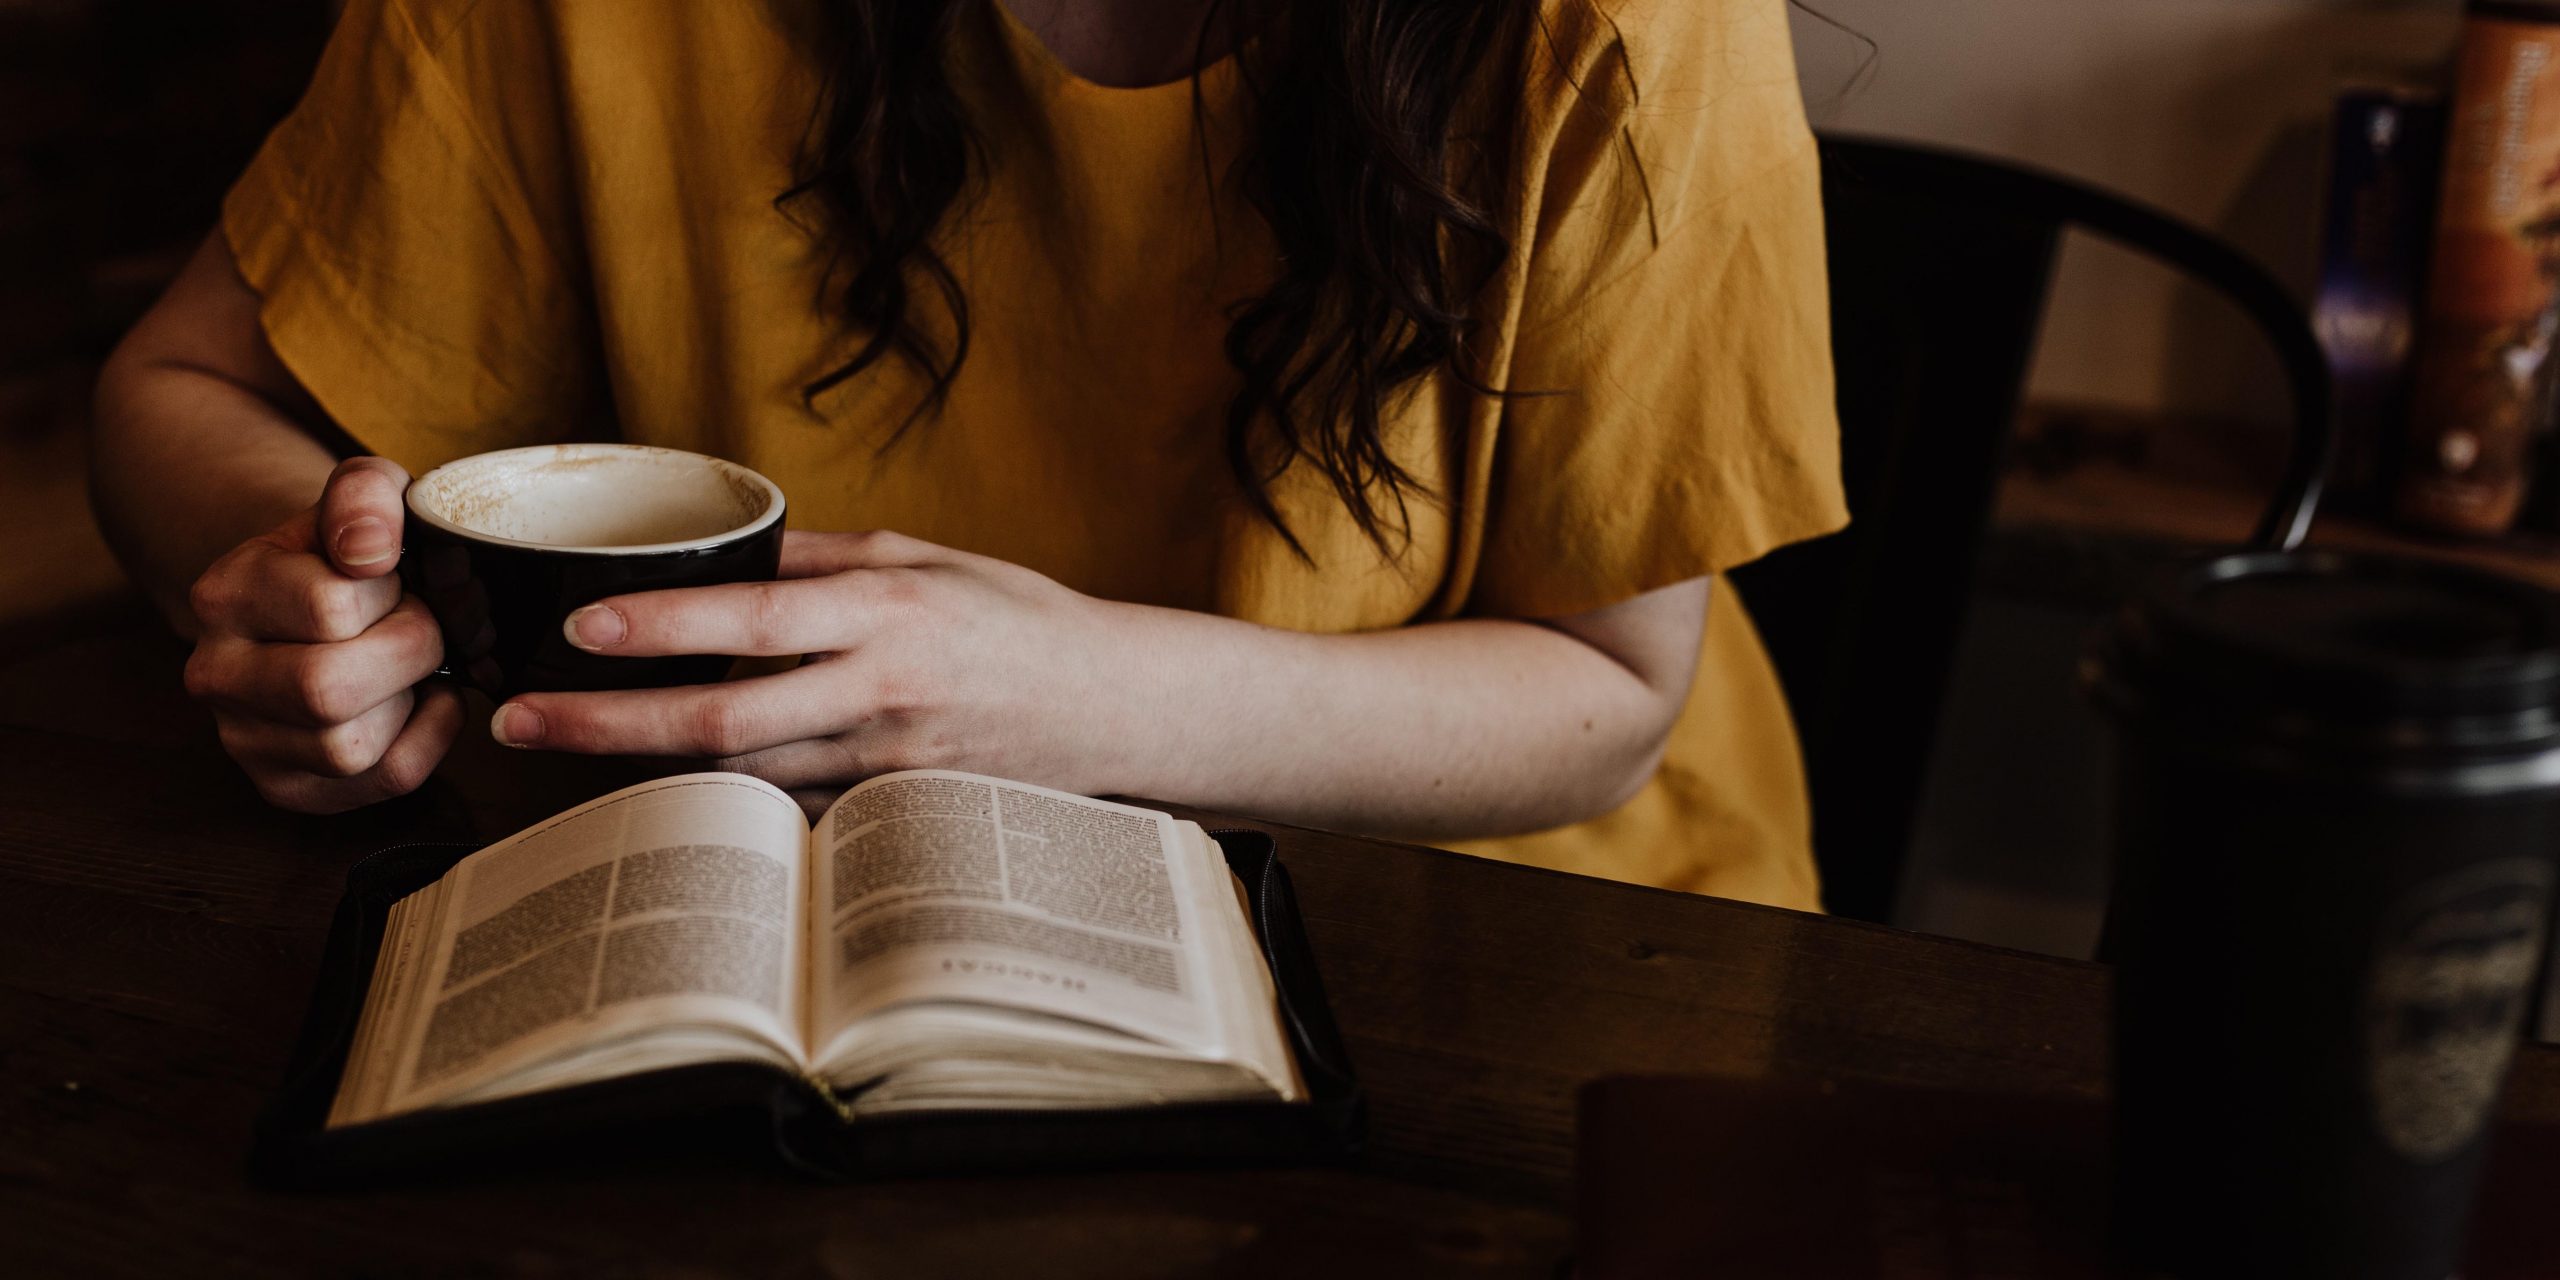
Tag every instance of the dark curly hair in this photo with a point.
(1386, 233)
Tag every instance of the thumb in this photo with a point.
(360, 514)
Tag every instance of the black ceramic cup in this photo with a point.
(503, 546)
(2337, 820)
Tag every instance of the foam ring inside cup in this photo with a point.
(595, 497)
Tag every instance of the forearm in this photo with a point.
(1442, 731)
(199, 443)
(185, 465)
(919, 656)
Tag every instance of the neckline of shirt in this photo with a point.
(1037, 51)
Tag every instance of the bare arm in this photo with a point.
(1448, 730)
(212, 481)
(927, 657)
(203, 439)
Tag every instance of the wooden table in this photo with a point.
(159, 928)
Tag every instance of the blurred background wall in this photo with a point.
(2211, 109)
(121, 123)
(2216, 111)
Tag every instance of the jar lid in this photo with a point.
(2381, 650)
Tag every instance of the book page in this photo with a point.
(948, 886)
(666, 907)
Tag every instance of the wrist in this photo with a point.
(1130, 715)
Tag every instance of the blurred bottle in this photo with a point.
(2386, 147)
(2483, 387)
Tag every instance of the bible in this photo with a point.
(938, 944)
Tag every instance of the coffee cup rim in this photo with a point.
(772, 511)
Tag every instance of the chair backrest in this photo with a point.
(1940, 265)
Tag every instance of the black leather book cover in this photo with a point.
(752, 1112)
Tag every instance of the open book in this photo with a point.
(939, 940)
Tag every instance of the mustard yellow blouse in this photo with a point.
(495, 224)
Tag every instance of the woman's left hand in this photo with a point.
(914, 656)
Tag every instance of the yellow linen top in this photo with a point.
(495, 224)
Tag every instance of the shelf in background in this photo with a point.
(2180, 483)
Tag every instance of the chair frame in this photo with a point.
(1863, 625)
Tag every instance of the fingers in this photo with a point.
(738, 718)
(775, 619)
(360, 516)
(813, 763)
(318, 685)
(321, 577)
(745, 619)
(265, 591)
(308, 650)
(811, 555)
(341, 750)
(405, 765)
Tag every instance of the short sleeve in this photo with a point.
(1672, 412)
(409, 231)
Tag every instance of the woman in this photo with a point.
(1335, 412)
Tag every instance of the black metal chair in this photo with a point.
(1940, 264)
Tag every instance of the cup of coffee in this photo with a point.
(503, 546)
(2337, 826)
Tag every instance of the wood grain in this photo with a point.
(159, 927)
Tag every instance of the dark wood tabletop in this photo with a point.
(159, 929)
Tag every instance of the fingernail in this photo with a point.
(515, 726)
(366, 541)
(596, 627)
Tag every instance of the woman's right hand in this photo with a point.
(310, 656)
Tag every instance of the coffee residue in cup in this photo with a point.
(568, 497)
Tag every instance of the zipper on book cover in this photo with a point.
(385, 852)
(339, 1035)
(842, 1107)
(423, 844)
(1271, 956)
